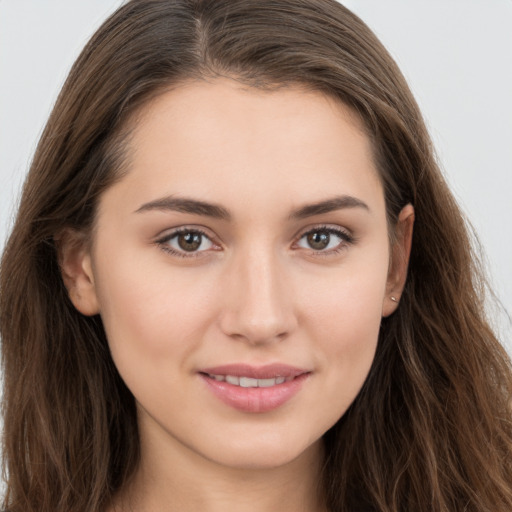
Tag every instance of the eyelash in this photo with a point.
(163, 242)
(346, 237)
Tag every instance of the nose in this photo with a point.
(258, 303)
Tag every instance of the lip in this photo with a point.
(255, 400)
(267, 371)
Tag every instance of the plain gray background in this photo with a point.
(456, 54)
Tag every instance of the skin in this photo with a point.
(254, 292)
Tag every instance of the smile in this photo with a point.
(250, 382)
(253, 389)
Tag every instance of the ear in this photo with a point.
(77, 273)
(399, 260)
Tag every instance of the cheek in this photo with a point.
(347, 305)
(348, 333)
(150, 314)
(153, 330)
(345, 322)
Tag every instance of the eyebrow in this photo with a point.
(329, 205)
(202, 208)
(186, 205)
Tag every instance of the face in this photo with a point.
(241, 268)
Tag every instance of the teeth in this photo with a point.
(266, 383)
(232, 380)
(249, 382)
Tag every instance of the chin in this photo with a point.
(264, 454)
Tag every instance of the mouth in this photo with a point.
(249, 382)
(254, 389)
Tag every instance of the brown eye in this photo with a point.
(318, 240)
(327, 240)
(189, 241)
(186, 243)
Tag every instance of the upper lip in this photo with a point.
(268, 371)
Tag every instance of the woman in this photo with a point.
(238, 280)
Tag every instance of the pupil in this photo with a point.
(318, 240)
(189, 241)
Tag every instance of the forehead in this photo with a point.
(225, 139)
(205, 107)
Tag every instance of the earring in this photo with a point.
(394, 299)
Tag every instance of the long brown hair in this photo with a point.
(431, 430)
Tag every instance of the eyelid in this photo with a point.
(346, 236)
(168, 234)
(184, 228)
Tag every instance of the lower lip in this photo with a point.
(255, 399)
